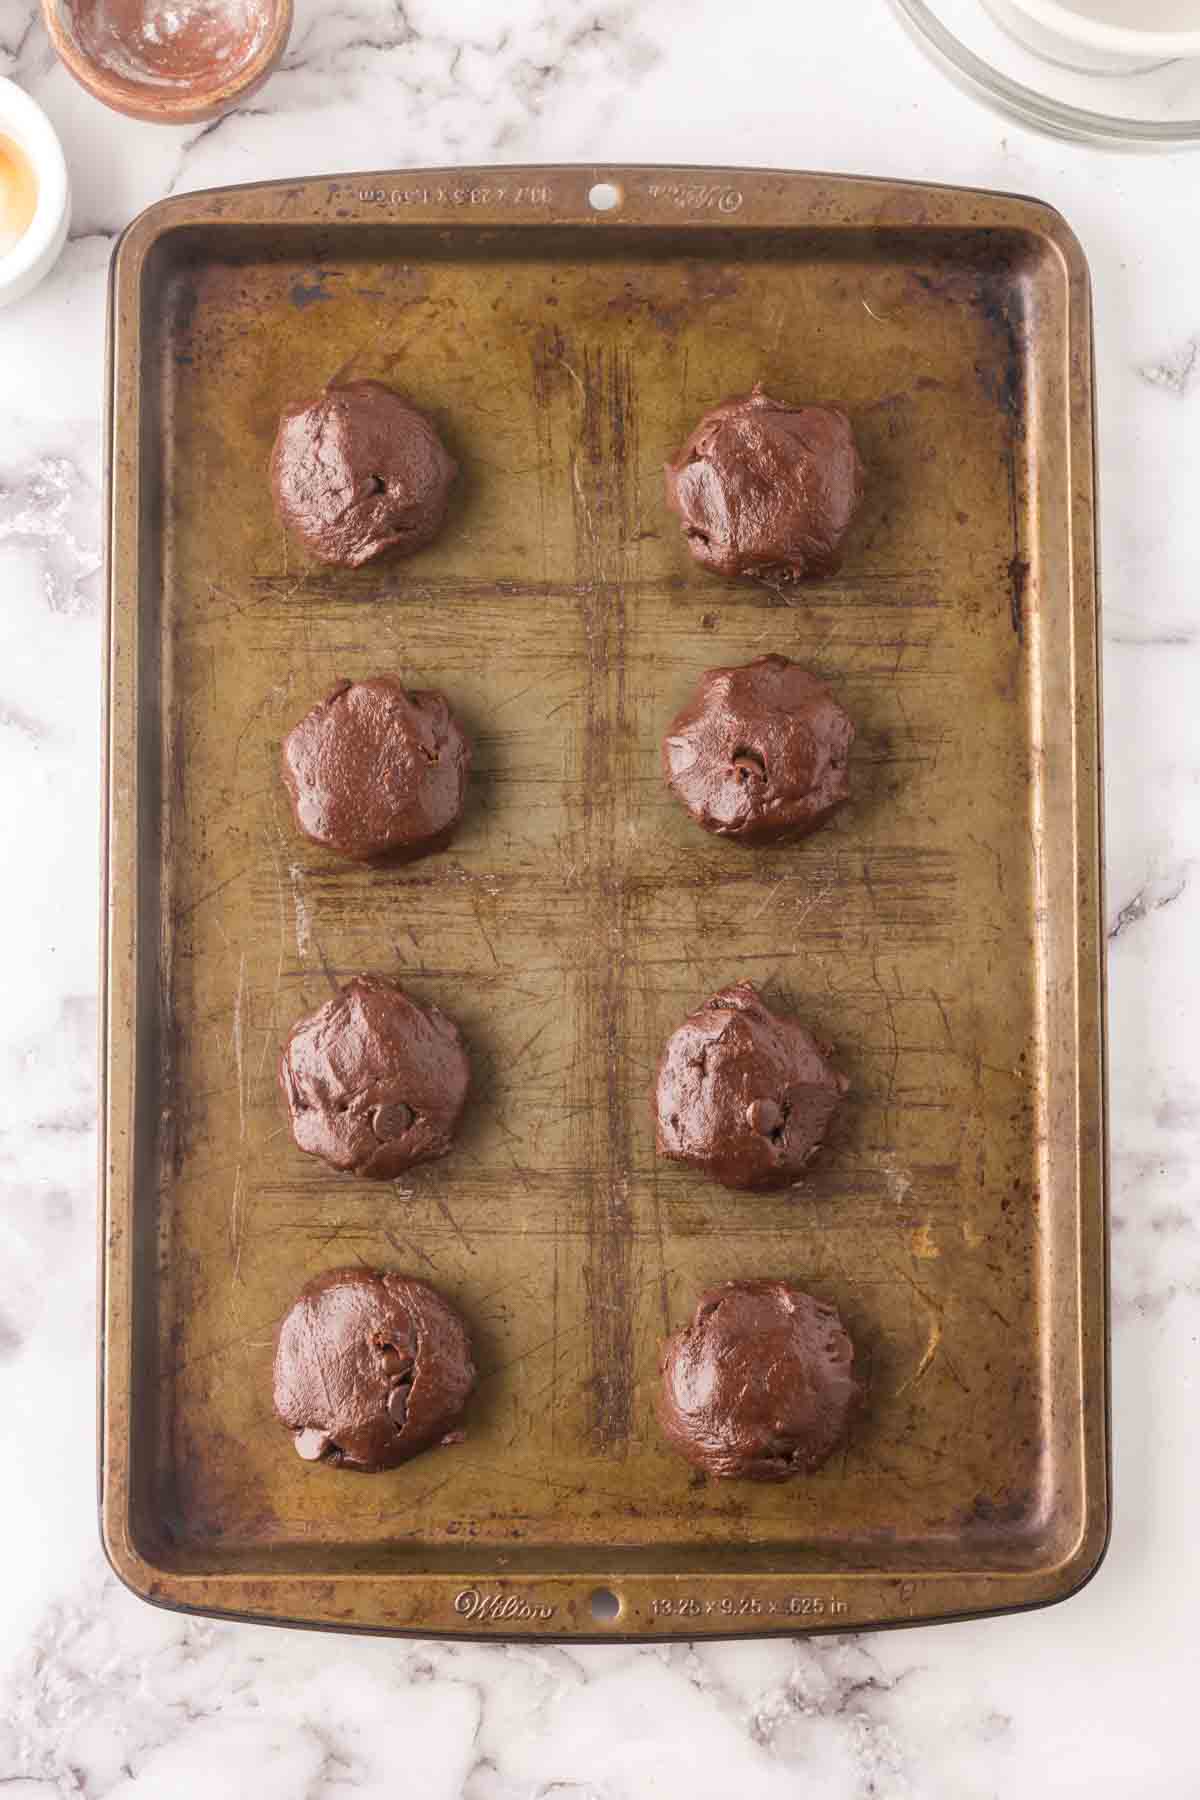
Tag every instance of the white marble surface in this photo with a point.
(104, 1696)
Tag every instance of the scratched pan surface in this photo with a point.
(941, 932)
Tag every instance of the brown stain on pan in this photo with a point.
(1000, 296)
(603, 470)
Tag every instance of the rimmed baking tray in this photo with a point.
(943, 931)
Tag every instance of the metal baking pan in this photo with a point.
(943, 932)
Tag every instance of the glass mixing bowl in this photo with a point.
(1152, 109)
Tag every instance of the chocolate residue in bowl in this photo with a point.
(169, 43)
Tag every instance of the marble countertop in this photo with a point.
(103, 1696)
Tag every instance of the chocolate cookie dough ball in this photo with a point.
(374, 1083)
(760, 752)
(760, 1384)
(763, 488)
(743, 1093)
(370, 1369)
(378, 774)
(358, 471)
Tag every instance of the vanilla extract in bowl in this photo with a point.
(18, 193)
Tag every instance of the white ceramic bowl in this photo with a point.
(38, 249)
(1063, 35)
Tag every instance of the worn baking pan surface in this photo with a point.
(941, 932)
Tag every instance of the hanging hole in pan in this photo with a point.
(604, 197)
(605, 1605)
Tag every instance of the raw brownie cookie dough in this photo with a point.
(760, 1384)
(744, 1094)
(374, 1083)
(358, 471)
(370, 1369)
(377, 773)
(763, 488)
(760, 752)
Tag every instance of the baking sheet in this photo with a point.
(942, 931)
